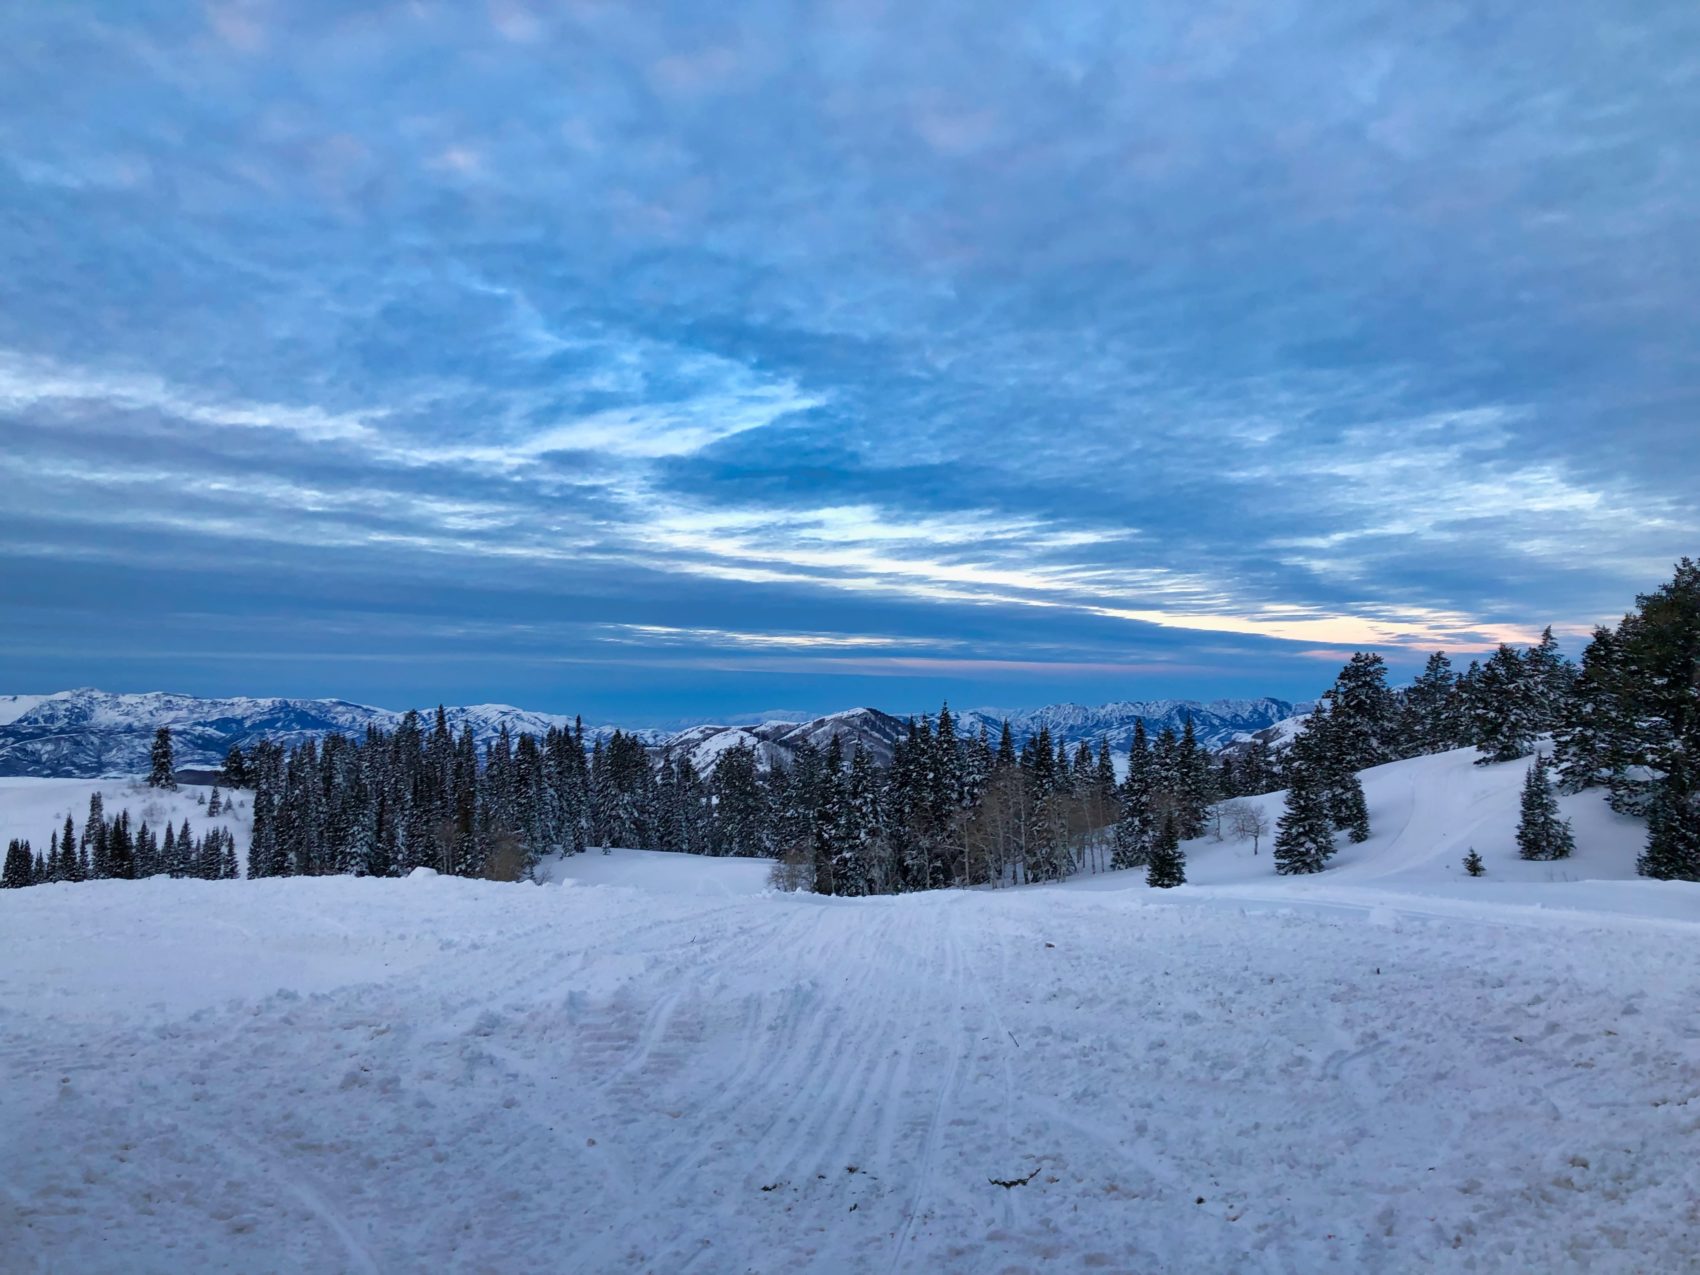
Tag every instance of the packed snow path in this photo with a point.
(682, 1073)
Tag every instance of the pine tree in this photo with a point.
(1504, 712)
(1166, 867)
(1473, 863)
(1673, 829)
(19, 869)
(162, 770)
(236, 772)
(1427, 721)
(1304, 834)
(1363, 714)
(1541, 832)
(1133, 829)
(94, 839)
(1551, 678)
(214, 806)
(1594, 743)
(1348, 809)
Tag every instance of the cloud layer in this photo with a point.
(667, 358)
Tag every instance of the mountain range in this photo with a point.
(89, 733)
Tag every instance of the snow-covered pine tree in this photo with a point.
(19, 869)
(1347, 807)
(1133, 829)
(1363, 714)
(1473, 863)
(94, 838)
(1551, 678)
(1541, 832)
(147, 852)
(1304, 834)
(215, 803)
(1427, 725)
(1594, 743)
(1503, 716)
(162, 770)
(1193, 788)
(1166, 867)
(1672, 852)
(120, 849)
(183, 861)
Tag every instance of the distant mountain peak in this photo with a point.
(88, 732)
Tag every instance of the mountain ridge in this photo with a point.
(89, 733)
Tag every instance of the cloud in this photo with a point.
(993, 333)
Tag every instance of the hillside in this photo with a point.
(651, 1062)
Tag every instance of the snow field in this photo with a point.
(334, 1074)
(651, 1063)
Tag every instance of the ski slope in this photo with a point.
(650, 1063)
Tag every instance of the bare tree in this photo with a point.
(1246, 822)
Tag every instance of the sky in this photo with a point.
(665, 360)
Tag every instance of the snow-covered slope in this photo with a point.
(653, 1063)
(90, 733)
(1216, 722)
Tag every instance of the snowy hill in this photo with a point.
(1216, 722)
(653, 1063)
(91, 733)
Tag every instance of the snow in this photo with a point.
(34, 809)
(652, 1062)
(13, 707)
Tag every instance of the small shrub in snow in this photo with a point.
(1473, 863)
(796, 871)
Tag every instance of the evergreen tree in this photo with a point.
(214, 805)
(161, 770)
(1304, 834)
(1672, 852)
(1192, 791)
(94, 839)
(236, 772)
(1591, 745)
(1503, 710)
(1427, 708)
(1166, 866)
(1551, 678)
(1473, 863)
(1363, 714)
(1541, 832)
(1133, 829)
(19, 869)
(1347, 808)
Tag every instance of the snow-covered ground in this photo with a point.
(651, 1063)
(35, 809)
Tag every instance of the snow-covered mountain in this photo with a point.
(1216, 722)
(88, 733)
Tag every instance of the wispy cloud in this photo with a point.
(742, 337)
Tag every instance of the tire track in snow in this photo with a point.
(770, 1023)
(952, 1043)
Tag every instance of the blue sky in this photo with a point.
(665, 360)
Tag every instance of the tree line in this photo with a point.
(955, 810)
